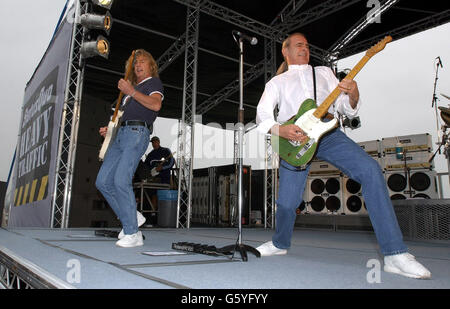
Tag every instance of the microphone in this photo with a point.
(440, 62)
(252, 40)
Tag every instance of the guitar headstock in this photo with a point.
(379, 46)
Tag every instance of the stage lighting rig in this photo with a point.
(100, 47)
(99, 22)
(91, 23)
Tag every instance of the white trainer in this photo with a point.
(268, 249)
(405, 264)
(129, 241)
(140, 220)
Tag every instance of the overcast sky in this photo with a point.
(396, 86)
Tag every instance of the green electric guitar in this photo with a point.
(309, 119)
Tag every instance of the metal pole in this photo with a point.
(240, 137)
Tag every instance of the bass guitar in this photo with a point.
(309, 119)
(113, 125)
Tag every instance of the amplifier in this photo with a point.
(373, 148)
(323, 168)
(414, 160)
(412, 143)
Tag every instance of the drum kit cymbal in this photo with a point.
(445, 111)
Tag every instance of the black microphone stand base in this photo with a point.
(242, 249)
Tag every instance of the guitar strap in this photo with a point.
(314, 83)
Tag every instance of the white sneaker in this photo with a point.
(268, 249)
(140, 220)
(133, 240)
(405, 264)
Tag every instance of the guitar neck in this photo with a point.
(128, 72)
(322, 110)
(116, 111)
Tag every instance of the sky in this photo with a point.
(396, 88)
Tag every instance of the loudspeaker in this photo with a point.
(324, 194)
(200, 195)
(352, 197)
(224, 198)
(423, 184)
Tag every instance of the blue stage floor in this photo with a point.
(318, 259)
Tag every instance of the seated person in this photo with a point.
(159, 161)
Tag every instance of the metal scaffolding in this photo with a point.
(69, 126)
(187, 125)
(291, 18)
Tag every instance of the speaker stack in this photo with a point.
(324, 189)
(409, 175)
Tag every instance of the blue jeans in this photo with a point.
(115, 178)
(339, 150)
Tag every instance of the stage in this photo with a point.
(318, 259)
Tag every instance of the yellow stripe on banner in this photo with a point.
(33, 190)
(42, 188)
(19, 197)
(15, 196)
(25, 194)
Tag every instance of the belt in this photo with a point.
(329, 116)
(136, 123)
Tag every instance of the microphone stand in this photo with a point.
(435, 99)
(407, 172)
(239, 246)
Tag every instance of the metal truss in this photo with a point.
(187, 125)
(319, 11)
(249, 76)
(18, 273)
(69, 126)
(362, 24)
(403, 31)
(9, 279)
(220, 12)
(172, 53)
(268, 31)
(288, 12)
(270, 185)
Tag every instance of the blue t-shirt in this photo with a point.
(158, 154)
(135, 110)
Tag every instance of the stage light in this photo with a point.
(102, 22)
(100, 47)
(352, 123)
(103, 3)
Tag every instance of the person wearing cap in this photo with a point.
(160, 161)
(141, 104)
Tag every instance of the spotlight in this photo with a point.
(100, 47)
(102, 22)
(103, 3)
(352, 123)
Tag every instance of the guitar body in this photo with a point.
(300, 154)
(113, 127)
(309, 117)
